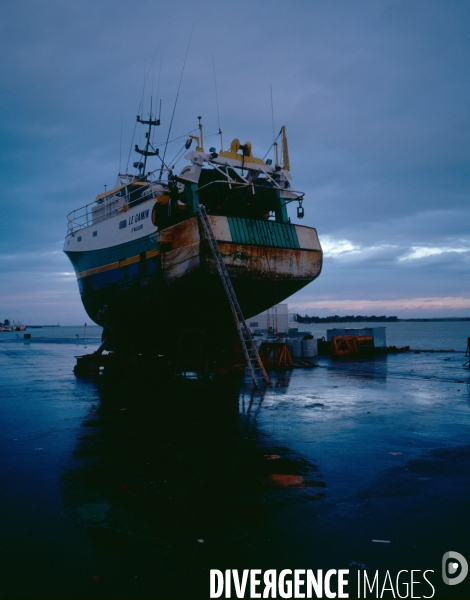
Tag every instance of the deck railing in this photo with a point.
(114, 204)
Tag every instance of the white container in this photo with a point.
(296, 347)
(310, 348)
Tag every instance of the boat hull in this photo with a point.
(167, 281)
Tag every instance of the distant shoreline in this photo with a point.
(373, 319)
(444, 319)
(334, 319)
(41, 326)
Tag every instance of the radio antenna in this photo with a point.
(139, 116)
(120, 147)
(140, 110)
(158, 92)
(217, 103)
(272, 111)
(159, 75)
(153, 76)
(143, 90)
(272, 121)
(176, 100)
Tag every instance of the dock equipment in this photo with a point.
(276, 355)
(342, 345)
(253, 361)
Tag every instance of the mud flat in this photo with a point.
(131, 487)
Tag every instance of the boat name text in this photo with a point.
(139, 217)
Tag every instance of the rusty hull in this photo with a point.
(273, 263)
(184, 289)
(184, 251)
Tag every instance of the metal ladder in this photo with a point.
(253, 361)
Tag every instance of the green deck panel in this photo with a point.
(263, 233)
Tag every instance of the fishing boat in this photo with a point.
(144, 268)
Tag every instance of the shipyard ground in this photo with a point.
(130, 487)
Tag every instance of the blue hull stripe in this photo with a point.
(96, 259)
(119, 278)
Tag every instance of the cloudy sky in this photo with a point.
(375, 96)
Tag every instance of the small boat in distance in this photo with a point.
(145, 271)
(8, 326)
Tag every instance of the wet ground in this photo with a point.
(130, 487)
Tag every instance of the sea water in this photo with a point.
(133, 487)
(66, 334)
(429, 335)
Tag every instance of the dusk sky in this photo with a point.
(375, 96)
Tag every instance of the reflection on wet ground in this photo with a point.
(132, 487)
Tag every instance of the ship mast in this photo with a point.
(146, 152)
